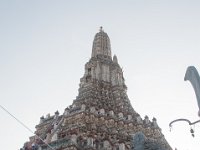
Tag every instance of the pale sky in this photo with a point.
(44, 45)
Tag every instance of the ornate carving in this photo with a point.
(101, 116)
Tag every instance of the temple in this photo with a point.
(101, 117)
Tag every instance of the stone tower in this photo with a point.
(101, 117)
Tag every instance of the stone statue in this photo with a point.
(193, 76)
(138, 141)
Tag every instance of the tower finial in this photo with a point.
(115, 59)
(101, 29)
(101, 44)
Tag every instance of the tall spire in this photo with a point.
(101, 117)
(101, 44)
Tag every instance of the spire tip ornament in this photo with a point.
(101, 29)
(101, 44)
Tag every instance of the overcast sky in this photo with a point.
(44, 45)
